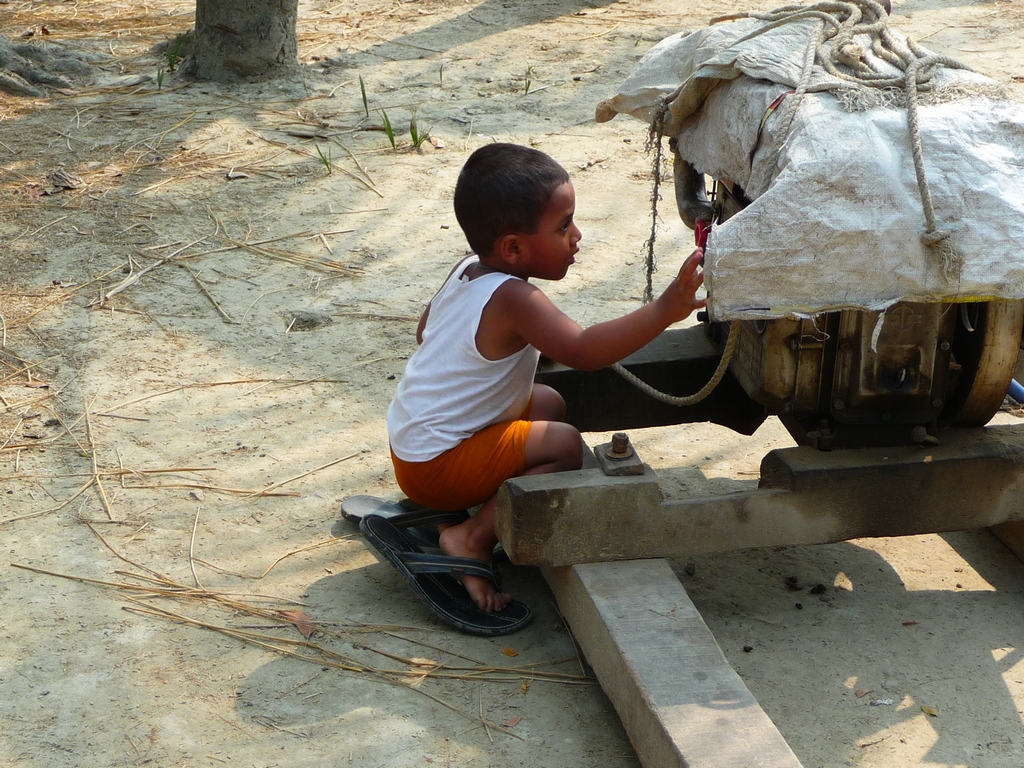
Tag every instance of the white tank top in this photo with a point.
(450, 391)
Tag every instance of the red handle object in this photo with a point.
(701, 230)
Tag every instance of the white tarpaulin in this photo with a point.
(837, 216)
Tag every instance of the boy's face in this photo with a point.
(548, 252)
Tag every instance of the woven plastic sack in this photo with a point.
(836, 219)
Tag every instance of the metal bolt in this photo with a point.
(838, 404)
(887, 417)
(944, 346)
(620, 448)
(845, 346)
(937, 402)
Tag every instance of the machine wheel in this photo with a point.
(985, 346)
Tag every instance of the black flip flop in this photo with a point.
(431, 576)
(355, 508)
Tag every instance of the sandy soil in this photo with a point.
(174, 448)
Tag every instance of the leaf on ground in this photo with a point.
(510, 651)
(302, 622)
(65, 179)
(37, 384)
(909, 623)
(423, 662)
(512, 722)
(930, 711)
(860, 693)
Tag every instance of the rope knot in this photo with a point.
(939, 242)
(852, 54)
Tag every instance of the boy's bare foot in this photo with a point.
(457, 540)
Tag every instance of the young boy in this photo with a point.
(467, 415)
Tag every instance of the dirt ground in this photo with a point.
(203, 321)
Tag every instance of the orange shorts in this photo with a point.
(471, 472)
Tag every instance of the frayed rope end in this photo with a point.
(939, 243)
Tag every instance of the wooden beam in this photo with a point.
(1012, 536)
(681, 703)
(974, 480)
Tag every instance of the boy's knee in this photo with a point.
(555, 445)
(572, 448)
(548, 404)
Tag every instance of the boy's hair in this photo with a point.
(504, 188)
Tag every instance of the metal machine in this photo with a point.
(844, 379)
(857, 378)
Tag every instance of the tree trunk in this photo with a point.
(243, 40)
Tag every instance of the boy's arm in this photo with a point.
(532, 316)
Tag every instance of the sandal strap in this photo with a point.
(425, 563)
(427, 517)
(421, 562)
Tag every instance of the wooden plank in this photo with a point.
(1012, 536)
(974, 480)
(681, 703)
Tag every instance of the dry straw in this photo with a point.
(411, 672)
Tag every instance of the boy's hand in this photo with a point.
(680, 298)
